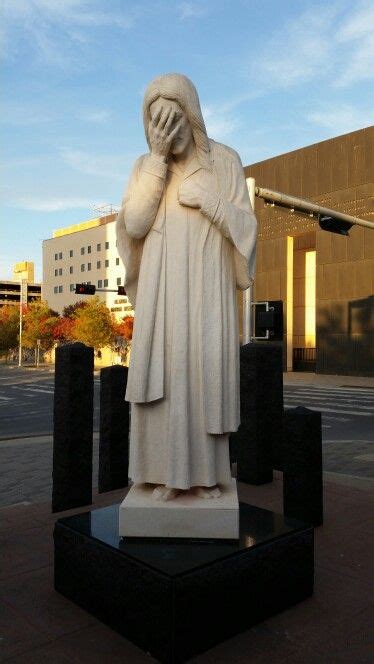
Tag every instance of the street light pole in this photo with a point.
(248, 294)
(22, 300)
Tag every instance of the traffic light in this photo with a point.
(85, 289)
(121, 290)
(334, 225)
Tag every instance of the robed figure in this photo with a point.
(187, 236)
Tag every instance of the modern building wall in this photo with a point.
(83, 253)
(339, 174)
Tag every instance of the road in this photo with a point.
(26, 402)
(26, 415)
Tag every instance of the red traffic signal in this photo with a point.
(121, 290)
(85, 289)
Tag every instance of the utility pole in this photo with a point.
(248, 294)
(22, 301)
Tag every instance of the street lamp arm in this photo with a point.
(303, 206)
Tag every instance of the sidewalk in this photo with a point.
(38, 625)
(322, 380)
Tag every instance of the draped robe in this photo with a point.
(183, 266)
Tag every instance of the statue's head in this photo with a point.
(181, 95)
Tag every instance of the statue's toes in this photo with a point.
(158, 492)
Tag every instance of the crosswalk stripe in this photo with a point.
(337, 390)
(337, 402)
(333, 410)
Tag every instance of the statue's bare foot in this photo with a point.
(207, 491)
(165, 493)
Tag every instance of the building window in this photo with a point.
(56, 272)
(56, 257)
(71, 269)
(55, 290)
(71, 253)
(72, 287)
(60, 271)
(116, 243)
(82, 267)
(106, 245)
(60, 255)
(118, 281)
(88, 266)
(107, 263)
(98, 247)
(98, 265)
(117, 261)
(82, 251)
(105, 283)
(100, 283)
(60, 289)
(89, 249)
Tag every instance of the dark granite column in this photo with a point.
(261, 395)
(302, 465)
(114, 429)
(72, 427)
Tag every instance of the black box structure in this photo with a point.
(177, 598)
(302, 465)
(114, 429)
(257, 444)
(73, 427)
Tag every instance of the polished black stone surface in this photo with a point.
(177, 556)
(178, 598)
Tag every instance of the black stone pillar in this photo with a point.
(72, 427)
(114, 429)
(302, 465)
(261, 412)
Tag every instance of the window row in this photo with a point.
(58, 256)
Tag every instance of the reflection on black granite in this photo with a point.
(177, 556)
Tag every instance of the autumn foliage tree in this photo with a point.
(38, 323)
(93, 324)
(9, 327)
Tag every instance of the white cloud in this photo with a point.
(190, 9)
(219, 123)
(56, 30)
(50, 204)
(96, 116)
(340, 120)
(325, 44)
(110, 166)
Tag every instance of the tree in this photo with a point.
(93, 324)
(63, 329)
(124, 328)
(71, 309)
(9, 328)
(38, 323)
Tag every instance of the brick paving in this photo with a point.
(38, 625)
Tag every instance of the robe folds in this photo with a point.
(182, 269)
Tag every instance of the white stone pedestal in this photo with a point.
(141, 515)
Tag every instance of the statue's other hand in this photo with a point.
(191, 194)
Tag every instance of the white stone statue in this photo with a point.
(187, 236)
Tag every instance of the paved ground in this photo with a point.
(39, 626)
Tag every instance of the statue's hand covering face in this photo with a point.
(187, 236)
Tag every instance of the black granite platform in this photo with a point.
(177, 598)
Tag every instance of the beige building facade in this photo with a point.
(84, 253)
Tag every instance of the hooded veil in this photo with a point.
(179, 88)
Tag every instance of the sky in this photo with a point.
(272, 76)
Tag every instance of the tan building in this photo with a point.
(84, 253)
(324, 280)
(10, 291)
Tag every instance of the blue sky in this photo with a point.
(272, 76)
